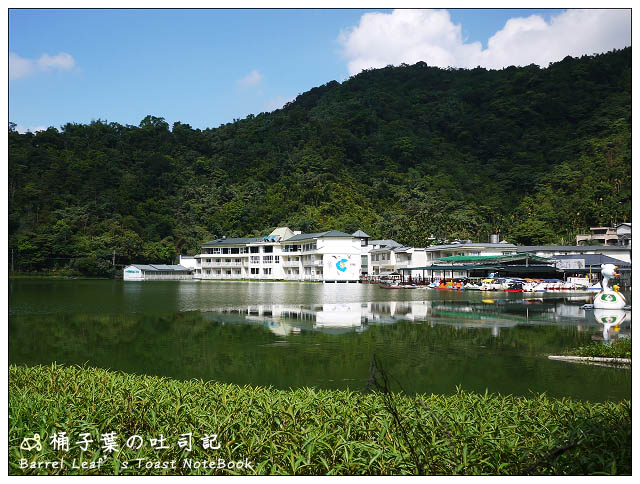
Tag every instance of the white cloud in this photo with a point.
(252, 79)
(61, 61)
(23, 129)
(277, 103)
(409, 36)
(19, 67)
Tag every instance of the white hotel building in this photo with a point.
(330, 256)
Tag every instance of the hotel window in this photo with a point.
(267, 259)
(216, 250)
(255, 259)
(225, 250)
(255, 270)
(267, 271)
(267, 249)
(277, 259)
(255, 250)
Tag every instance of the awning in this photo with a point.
(467, 267)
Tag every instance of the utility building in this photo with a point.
(157, 272)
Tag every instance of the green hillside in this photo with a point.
(406, 152)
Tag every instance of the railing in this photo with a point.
(221, 276)
(172, 277)
(223, 264)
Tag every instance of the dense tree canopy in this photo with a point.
(415, 153)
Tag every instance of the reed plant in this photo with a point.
(305, 431)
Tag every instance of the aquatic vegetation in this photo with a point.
(304, 431)
(620, 348)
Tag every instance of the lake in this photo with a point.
(290, 335)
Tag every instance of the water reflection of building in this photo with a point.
(283, 319)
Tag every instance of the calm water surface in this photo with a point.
(290, 335)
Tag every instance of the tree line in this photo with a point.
(415, 153)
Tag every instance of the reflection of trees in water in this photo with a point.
(422, 356)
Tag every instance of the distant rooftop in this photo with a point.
(388, 243)
(317, 235)
(490, 245)
(160, 267)
(569, 248)
(493, 258)
(593, 259)
(234, 240)
(361, 234)
(282, 233)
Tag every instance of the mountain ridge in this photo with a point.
(407, 152)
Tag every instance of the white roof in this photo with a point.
(160, 267)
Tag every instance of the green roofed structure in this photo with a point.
(509, 265)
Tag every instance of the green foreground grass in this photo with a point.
(304, 431)
(620, 348)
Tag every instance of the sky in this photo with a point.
(208, 67)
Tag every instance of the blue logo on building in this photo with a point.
(342, 267)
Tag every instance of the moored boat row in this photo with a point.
(512, 284)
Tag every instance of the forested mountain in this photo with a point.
(414, 153)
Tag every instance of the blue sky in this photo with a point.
(208, 67)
